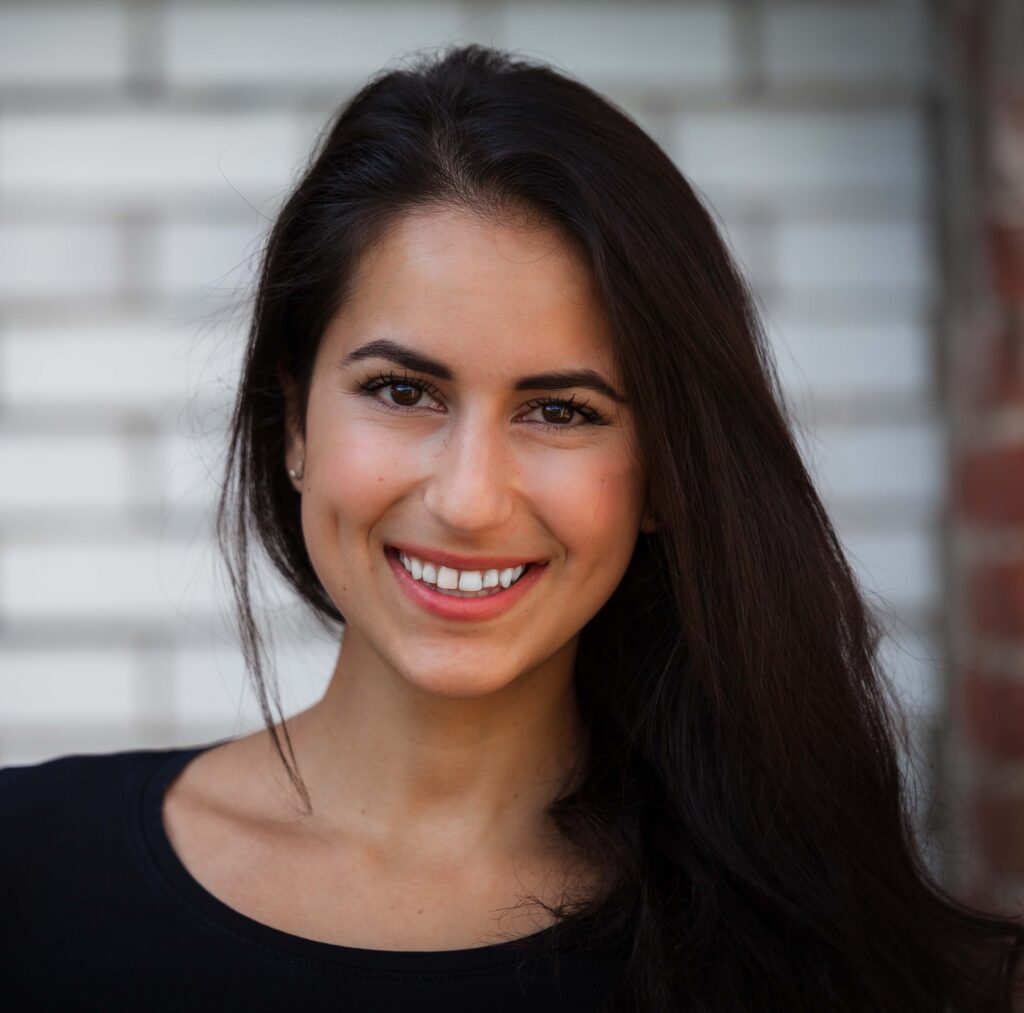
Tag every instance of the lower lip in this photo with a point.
(451, 607)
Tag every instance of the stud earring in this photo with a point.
(297, 473)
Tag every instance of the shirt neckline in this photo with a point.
(205, 906)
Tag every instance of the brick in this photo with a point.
(998, 823)
(990, 485)
(661, 45)
(44, 261)
(863, 254)
(845, 43)
(898, 567)
(66, 472)
(125, 155)
(840, 359)
(747, 243)
(104, 579)
(263, 44)
(994, 714)
(761, 152)
(1006, 252)
(911, 665)
(193, 470)
(32, 743)
(882, 461)
(215, 258)
(137, 363)
(212, 685)
(995, 594)
(70, 44)
(67, 684)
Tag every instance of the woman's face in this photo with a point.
(425, 431)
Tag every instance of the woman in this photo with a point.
(607, 728)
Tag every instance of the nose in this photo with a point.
(470, 487)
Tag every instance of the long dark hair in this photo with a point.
(743, 790)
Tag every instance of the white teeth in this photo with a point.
(449, 579)
(471, 580)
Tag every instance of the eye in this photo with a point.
(405, 391)
(557, 413)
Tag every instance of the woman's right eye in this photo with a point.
(405, 392)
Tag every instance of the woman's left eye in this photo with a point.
(556, 413)
(562, 411)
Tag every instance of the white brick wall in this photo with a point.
(319, 44)
(121, 363)
(818, 44)
(837, 359)
(665, 46)
(48, 45)
(45, 260)
(82, 472)
(133, 155)
(112, 577)
(757, 152)
(143, 152)
(880, 255)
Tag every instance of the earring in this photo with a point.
(297, 473)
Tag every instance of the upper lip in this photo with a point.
(457, 561)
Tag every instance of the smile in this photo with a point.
(462, 594)
(461, 583)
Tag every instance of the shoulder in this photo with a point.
(35, 787)
(76, 797)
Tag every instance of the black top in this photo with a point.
(97, 912)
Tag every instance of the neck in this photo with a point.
(404, 772)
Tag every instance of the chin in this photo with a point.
(456, 682)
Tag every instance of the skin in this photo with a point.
(438, 743)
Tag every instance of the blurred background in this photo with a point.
(865, 159)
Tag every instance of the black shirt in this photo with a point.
(97, 912)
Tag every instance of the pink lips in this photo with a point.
(459, 562)
(452, 607)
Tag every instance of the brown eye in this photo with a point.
(405, 394)
(557, 413)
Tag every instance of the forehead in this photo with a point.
(490, 298)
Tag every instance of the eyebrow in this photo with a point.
(562, 379)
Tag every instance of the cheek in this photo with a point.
(354, 479)
(590, 501)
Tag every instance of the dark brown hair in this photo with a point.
(743, 788)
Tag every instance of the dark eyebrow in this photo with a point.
(564, 379)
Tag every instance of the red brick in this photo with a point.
(998, 823)
(1006, 250)
(990, 485)
(996, 599)
(1008, 385)
(994, 714)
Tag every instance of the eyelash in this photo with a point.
(591, 415)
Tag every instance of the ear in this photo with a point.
(650, 523)
(294, 444)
